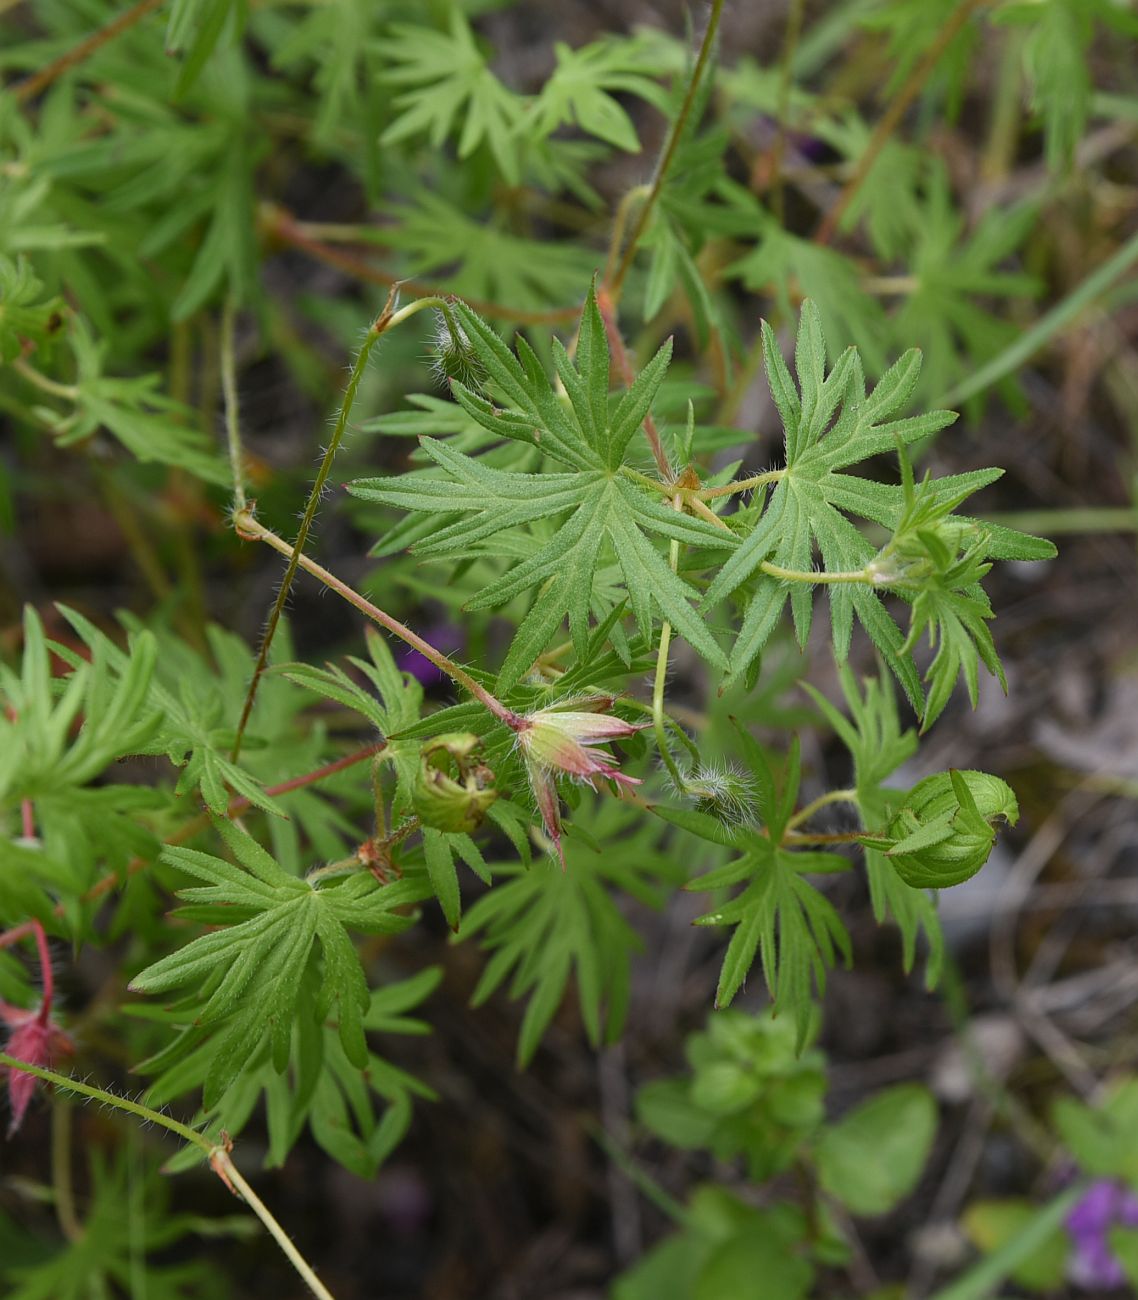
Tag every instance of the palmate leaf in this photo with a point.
(245, 978)
(580, 89)
(830, 423)
(481, 259)
(448, 80)
(597, 505)
(541, 924)
(321, 1088)
(779, 916)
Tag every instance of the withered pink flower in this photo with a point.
(563, 741)
(36, 1039)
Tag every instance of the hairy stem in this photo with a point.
(669, 153)
(217, 1155)
(914, 84)
(379, 325)
(742, 485)
(820, 576)
(249, 528)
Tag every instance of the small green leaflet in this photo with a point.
(447, 79)
(596, 502)
(541, 923)
(795, 930)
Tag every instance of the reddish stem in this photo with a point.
(31, 86)
(280, 224)
(27, 819)
(47, 979)
(619, 352)
(233, 809)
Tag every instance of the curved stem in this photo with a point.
(665, 161)
(379, 325)
(68, 392)
(808, 811)
(110, 1099)
(217, 1155)
(249, 528)
(233, 809)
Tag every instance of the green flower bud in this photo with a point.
(455, 357)
(942, 834)
(452, 789)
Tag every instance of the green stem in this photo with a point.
(821, 577)
(232, 410)
(68, 392)
(797, 840)
(110, 1099)
(662, 674)
(387, 319)
(228, 1172)
(785, 77)
(665, 161)
(248, 528)
(61, 1184)
(1078, 519)
(741, 485)
(834, 796)
(1047, 327)
(620, 222)
(913, 86)
(217, 1155)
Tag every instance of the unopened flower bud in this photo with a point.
(943, 833)
(453, 790)
(455, 357)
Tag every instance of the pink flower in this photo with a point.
(562, 741)
(35, 1039)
